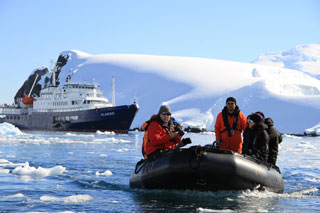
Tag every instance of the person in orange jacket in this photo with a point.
(161, 133)
(230, 123)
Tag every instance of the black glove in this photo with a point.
(186, 141)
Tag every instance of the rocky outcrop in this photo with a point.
(42, 73)
(26, 87)
(62, 60)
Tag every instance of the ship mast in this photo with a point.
(113, 92)
(54, 69)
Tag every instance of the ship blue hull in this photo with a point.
(117, 119)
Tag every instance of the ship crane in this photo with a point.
(27, 99)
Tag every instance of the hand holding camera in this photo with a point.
(178, 128)
(184, 142)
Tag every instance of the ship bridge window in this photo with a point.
(77, 102)
(98, 102)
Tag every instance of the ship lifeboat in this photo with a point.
(27, 100)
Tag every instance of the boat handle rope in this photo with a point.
(199, 154)
(138, 167)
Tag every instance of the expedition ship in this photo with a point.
(74, 107)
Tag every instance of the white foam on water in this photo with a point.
(69, 199)
(314, 180)
(214, 210)
(305, 193)
(66, 212)
(105, 133)
(70, 134)
(122, 150)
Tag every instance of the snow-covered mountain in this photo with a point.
(304, 58)
(196, 88)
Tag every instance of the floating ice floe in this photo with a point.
(7, 164)
(17, 196)
(40, 172)
(9, 129)
(4, 171)
(106, 173)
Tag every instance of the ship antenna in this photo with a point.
(113, 92)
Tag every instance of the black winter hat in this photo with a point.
(164, 108)
(232, 99)
(256, 117)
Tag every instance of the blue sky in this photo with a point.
(33, 32)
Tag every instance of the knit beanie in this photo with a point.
(232, 99)
(164, 108)
(256, 117)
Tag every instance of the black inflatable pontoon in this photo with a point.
(205, 169)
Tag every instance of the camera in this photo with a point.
(177, 127)
(179, 130)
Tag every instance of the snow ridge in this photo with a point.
(283, 85)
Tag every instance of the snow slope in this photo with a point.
(196, 88)
(304, 58)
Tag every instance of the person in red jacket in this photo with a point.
(229, 125)
(160, 132)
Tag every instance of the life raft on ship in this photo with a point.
(27, 100)
(205, 168)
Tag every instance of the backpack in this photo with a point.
(144, 127)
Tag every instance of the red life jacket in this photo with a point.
(145, 126)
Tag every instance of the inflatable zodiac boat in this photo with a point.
(206, 169)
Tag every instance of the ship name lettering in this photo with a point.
(107, 114)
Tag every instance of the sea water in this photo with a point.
(89, 172)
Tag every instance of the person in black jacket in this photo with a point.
(275, 139)
(256, 137)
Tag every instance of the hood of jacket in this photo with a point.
(269, 121)
(261, 126)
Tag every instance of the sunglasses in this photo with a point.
(165, 113)
(249, 120)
